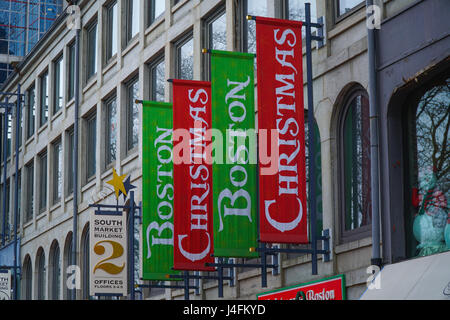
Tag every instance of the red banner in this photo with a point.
(283, 206)
(193, 225)
(332, 288)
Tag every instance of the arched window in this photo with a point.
(55, 271)
(85, 262)
(41, 274)
(67, 263)
(354, 166)
(27, 278)
(427, 214)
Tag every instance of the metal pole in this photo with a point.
(374, 142)
(311, 140)
(16, 187)
(75, 154)
(131, 235)
(5, 139)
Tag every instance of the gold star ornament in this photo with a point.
(117, 183)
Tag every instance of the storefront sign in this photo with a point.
(193, 226)
(108, 253)
(283, 213)
(5, 285)
(234, 180)
(331, 288)
(157, 191)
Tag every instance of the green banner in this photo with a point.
(157, 191)
(234, 154)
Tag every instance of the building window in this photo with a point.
(9, 134)
(41, 274)
(295, 10)
(31, 111)
(68, 258)
(185, 58)
(42, 181)
(19, 194)
(71, 71)
(58, 84)
(427, 218)
(91, 140)
(355, 166)
(155, 9)
(133, 14)
(132, 115)
(216, 37)
(111, 31)
(91, 57)
(85, 262)
(248, 34)
(43, 115)
(27, 278)
(29, 171)
(344, 7)
(157, 80)
(55, 267)
(111, 131)
(70, 173)
(57, 171)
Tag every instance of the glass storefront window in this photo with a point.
(428, 220)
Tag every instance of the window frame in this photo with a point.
(340, 17)
(71, 52)
(183, 40)
(90, 74)
(90, 118)
(43, 181)
(207, 38)
(129, 36)
(57, 157)
(108, 160)
(365, 230)
(70, 140)
(130, 103)
(30, 201)
(151, 14)
(31, 111)
(42, 101)
(111, 31)
(153, 77)
(59, 61)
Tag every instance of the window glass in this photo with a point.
(111, 131)
(41, 276)
(57, 171)
(42, 181)
(91, 51)
(31, 111)
(56, 273)
(70, 146)
(111, 37)
(91, 145)
(158, 79)
(356, 148)
(71, 86)
(44, 99)
(428, 220)
(133, 115)
(156, 9)
(186, 60)
(30, 191)
(254, 8)
(345, 6)
(133, 15)
(295, 10)
(218, 33)
(59, 85)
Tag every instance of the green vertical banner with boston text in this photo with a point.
(234, 164)
(157, 191)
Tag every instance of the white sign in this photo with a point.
(5, 285)
(108, 253)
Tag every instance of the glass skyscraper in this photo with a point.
(22, 24)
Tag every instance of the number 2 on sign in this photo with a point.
(117, 252)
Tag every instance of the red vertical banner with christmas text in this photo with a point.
(193, 225)
(283, 204)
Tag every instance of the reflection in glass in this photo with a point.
(345, 6)
(186, 60)
(158, 81)
(429, 161)
(356, 147)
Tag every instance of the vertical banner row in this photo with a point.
(235, 179)
(192, 175)
(157, 191)
(283, 206)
